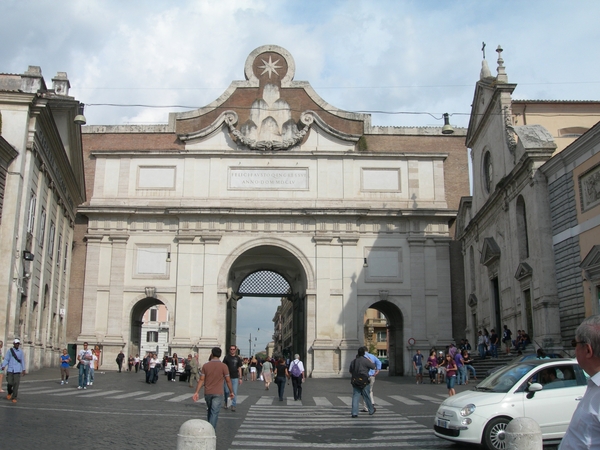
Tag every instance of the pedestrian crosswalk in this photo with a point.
(330, 427)
(265, 400)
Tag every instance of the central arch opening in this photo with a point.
(267, 286)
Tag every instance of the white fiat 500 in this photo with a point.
(547, 391)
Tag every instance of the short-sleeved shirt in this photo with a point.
(233, 363)
(215, 372)
(64, 361)
(85, 356)
(418, 359)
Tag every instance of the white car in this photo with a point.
(545, 390)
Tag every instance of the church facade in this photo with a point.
(269, 190)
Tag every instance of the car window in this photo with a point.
(557, 377)
(504, 379)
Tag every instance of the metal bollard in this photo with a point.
(196, 434)
(523, 433)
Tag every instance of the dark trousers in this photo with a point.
(12, 383)
(280, 382)
(297, 385)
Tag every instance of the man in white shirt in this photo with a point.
(84, 357)
(584, 429)
(296, 371)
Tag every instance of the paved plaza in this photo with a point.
(121, 411)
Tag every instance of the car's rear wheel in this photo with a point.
(494, 435)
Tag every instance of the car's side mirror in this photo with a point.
(533, 388)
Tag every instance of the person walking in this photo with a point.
(65, 363)
(282, 375)
(296, 371)
(372, 374)
(584, 429)
(194, 369)
(15, 367)
(152, 363)
(253, 363)
(359, 370)
(84, 357)
(93, 365)
(120, 358)
(234, 364)
(136, 363)
(214, 374)
(451, 370)
(432, 366)
(129, 363)
(418, 366)
(174, 367)
(267, 372)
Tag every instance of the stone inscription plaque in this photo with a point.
(272, 179)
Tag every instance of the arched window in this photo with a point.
(487, 172)
(522, 236)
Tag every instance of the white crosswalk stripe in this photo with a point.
(406, 401)
(322, 401)
(264, 400)
(330, 428)
(155, 396)
(130, 394)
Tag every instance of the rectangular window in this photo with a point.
(42, 227)
(51, 239)
(65, 258)
(153, 315)
(382, 336)
(58, 249)
(152, 336)
(31, 218)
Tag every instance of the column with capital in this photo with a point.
(351, 264)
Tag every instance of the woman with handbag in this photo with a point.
(431, 365)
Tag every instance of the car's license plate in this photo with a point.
(442, 423)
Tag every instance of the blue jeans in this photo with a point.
(234, 384)
(472, 369)
(481, 349)
(83, 374)
(90, 377)
(494, 350)
(213, 404)
(461, 375)
(280, 382)
(366, 395)
(450, 381)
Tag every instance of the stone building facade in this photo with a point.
(515, 271)
(42, 182)
(268, 179)
(574, 194)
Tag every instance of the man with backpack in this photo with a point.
(296, 370)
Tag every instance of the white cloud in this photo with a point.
(403, 56)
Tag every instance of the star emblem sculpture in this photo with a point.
(270, 67)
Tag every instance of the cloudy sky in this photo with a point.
(410, 61)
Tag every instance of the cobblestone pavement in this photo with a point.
(121, 411)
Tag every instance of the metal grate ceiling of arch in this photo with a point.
(265, 283)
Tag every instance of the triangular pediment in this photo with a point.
(523, 271)
(472, 301)
(490, 251)
(591, 263)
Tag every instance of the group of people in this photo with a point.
(221, 379)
